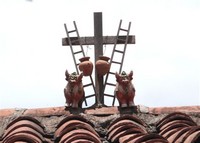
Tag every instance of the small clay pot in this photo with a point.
(102, 65)
(86, 66)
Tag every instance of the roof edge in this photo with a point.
(167, 110)
(58, 111)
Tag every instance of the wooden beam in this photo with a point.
(98, 45)
(90, 40)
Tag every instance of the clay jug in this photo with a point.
(86, 66)
(102, 65)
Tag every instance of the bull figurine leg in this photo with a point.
(67, 98)
(122, 101)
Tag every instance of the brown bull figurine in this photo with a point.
(125, 91)
(74, 92)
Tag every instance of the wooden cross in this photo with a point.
(98, 40)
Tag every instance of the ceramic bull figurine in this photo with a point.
(74, 92)
(125, 91)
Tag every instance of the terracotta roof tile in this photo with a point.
(179, 127)
(178, 134)
(7, 112)
(129, 137)
(79, 134)
(24, 128)
(167, 110)
(105, 124)
(149, 138)
(58, 111)
(71, 123)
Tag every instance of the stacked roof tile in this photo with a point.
(130, 128)
(24, 129)
(98, 127)
(178, 127)
(76, 129)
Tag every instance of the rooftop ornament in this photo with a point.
(103, 71)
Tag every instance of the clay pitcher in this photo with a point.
(102, 65)
(86, 66)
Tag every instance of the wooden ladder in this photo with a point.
(122, 51)
(72, 40)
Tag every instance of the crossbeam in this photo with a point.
(90, 40)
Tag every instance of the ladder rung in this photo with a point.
(111, 84)
(123, 29)
(87, 85)
(109, 95)
(115, 62)
(77, 52)
(119, 51)
(111, 73)
(71, 31)
(90, 96)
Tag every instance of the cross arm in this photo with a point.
(90, 40)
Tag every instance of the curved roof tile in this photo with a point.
(120, 129)
(193, 138)
(73, 125)
(129, 137)
(174, 125)
(125, 122)
(123, 133)
(178, 127)
(23, 123)
(177, 123)
(74, 117)
(128, 117)
(150, 137)
(24, 130)
(191, 134)
(79, 134)
(31, 119)
(178, 134)
(172, 117)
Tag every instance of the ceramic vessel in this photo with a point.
(86, 66)
(102, 65)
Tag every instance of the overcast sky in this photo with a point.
(165, 59)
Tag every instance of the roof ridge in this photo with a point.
(58, 111)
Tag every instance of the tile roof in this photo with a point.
(107, 125)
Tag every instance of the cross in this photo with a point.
(98, 40)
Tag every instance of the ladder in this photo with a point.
(115, 51)
(72, 40)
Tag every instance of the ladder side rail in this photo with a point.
(122, 61)
(111, 59)
(116, 41)
(79, 38)
(92, 82)
(82, 51)
(70, 44)
(114, 98)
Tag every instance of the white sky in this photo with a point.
(165, 58)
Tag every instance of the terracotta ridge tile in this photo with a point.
(166, 110)
(6, 112)
(50, 111)
(57, 111)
